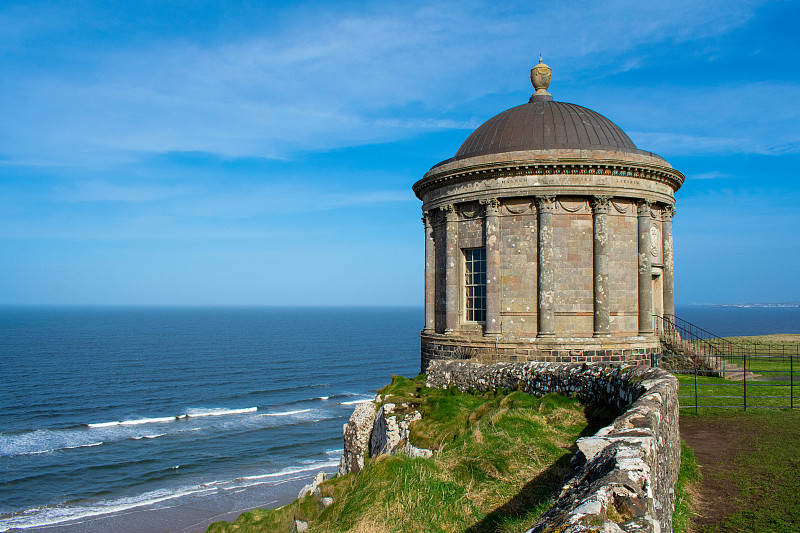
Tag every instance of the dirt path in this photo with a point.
(716, 444)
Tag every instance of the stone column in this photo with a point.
(492, 243)
(546, 207)
(452, 270)
(430, 274)
(669, 274)
(602, 317)
(645, 270)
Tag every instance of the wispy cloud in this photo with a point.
(713, 175)
(324, 79)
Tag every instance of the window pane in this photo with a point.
(475, 284)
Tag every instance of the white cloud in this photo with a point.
(713, 175)
(327, 80)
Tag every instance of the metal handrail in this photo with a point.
(720, 356)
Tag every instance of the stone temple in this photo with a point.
(548, 237)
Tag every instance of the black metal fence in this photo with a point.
(727, 372)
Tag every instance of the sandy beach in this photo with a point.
(187, 515)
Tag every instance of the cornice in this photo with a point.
(597, 167)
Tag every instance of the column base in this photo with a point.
(546, 335)
(601, 335)
(492, 334)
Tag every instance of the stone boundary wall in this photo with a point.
(624, 476)
(633, 352)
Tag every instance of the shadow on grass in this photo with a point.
(543, 488)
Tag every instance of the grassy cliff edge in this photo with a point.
(500, 459)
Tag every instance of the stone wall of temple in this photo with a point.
(623, 281)
(518, 273)
(572, 245)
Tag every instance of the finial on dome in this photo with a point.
(540, 78)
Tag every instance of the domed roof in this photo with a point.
(543, 124)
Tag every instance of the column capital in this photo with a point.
(600, 204)
(668, 212)
(427, 218)
(450, 212)
(491, 204)
(643, 207)
(546, 204)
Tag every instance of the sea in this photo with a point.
(166, 419)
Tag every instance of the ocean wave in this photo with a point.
(219, 411)
(43, 441)
(148, 436)
(56, 514)
(287, 413)
(50, 515)
(316, 465)
(90, 445)
(353, 402)
(191, 413)
(135, 422)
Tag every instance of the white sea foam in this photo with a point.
(219, 411)
(322, 398)
(90, 445)
(287, 413)
(134, 422)
(353, 402)
(148, 436)
(316, 465)
(191, 413)
(50, 515)
(46, 516)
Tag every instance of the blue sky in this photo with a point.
(262, 153)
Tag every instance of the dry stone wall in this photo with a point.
(624, 476)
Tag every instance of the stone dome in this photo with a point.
(543, 124)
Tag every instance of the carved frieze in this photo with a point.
(594, 172)
(573, 205)
(518, 208)
(655, 240)
(619, 207)
(470, 210)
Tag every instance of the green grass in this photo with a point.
(688, 477)
(764, 472)
(500, 460)
(721, 392)
(768, 358)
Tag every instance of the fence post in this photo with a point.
(695, 382)
(744, 377)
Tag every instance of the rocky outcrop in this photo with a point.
(357, 433)
(391, 430)
(624, 476)
(381, 429)
(313, 487)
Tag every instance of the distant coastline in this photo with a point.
(786, 305)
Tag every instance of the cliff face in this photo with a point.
(378, 430)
